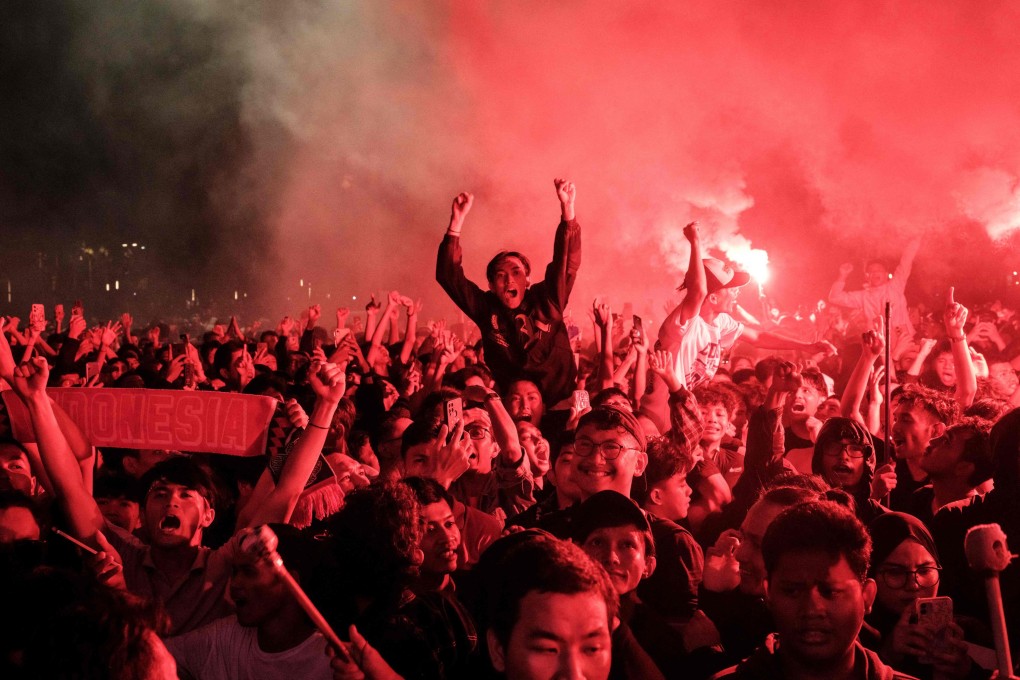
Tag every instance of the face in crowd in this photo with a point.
(510, 281)
(607, 460)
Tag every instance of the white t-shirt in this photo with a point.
(226, 650)
(697, 346)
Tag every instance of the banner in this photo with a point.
(210, 422)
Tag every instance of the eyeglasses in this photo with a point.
(924, 577)
(853, 450)
(476, 431)
(610, 450)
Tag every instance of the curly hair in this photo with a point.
(818, 526)
(377, 534)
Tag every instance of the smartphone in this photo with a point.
(91, 370)
(176, 350)
(453, 412)
(935, 613)
(638, 328)
(581, 400)
(260, 347)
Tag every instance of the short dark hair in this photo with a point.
(610, 418)
(502, 256)
(421, 431)
(665, 459)
(818, 526)
(541, 563)
(939, 406)
(224, 354)
(977, 448)
(428, 490)
(182, 470)
(602, 396)
(708, 394)
(814, 378)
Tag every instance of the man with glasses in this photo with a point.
(844, 457)
(481, 461)
(609, 454)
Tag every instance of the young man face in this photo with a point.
(509, 282)
(622, 552)
(563, 476)
(1002, 379)
(752, 531)
(535, 446)
(15, 470)
(818, 605)
(843, 463)
(670, 498)
(876, 275)
(805, 403)
(829, 408)
(556, 636)
(176, 515)
(716, 420)
(524, 402)
(478, 428)
(122, 512)
(943, 459)
(441, 539)
(913, 429)
(945, 369)
(599, 467)
(257, 592)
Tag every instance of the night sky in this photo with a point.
(262, 147)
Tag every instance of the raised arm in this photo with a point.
(955, 318)
(407, 349)
(562, 271)
(59, 461)
(328, 382)
(906, 263)
(695, 284)
(449, 263)
(769, 340)
(603, 320)
(838, 294)
(873, 343)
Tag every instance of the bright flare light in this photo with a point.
(754, 261)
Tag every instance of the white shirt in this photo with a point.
(226, 650)
(697, 346)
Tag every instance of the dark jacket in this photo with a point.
(529, 342)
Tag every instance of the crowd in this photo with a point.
(720, 496)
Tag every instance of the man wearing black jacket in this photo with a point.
(523, 334)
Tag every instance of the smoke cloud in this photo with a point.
(271, 147)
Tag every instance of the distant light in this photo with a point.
(116, 285)
(235, 294)
(123, 245)
(890, 276)
(107, 287)
(301, 283)
(354, 297)
(1014, 273)
(134, 245)
(143, 247)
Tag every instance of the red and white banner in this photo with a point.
(209, 422)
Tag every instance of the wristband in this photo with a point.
(321, 427)
(491, 396)
(959, 339)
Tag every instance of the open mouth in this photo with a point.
(170, 523)
(797, 408)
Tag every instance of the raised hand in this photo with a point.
(566, 192)
(328, 381)
(692, 232)
(58, 313)
(451, 455)
(314, 312)
(286, 326)
(874, 340)
(785, 377)
(884, 481)
(459, 210)
(661, 363)
(30, 378)
(954, 316)
(845, 269)
(603, 313)
(297, 416)
(373, 305)
(341, 316)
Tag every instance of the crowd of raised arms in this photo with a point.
(513, 497)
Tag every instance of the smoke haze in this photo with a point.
(267, 147)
